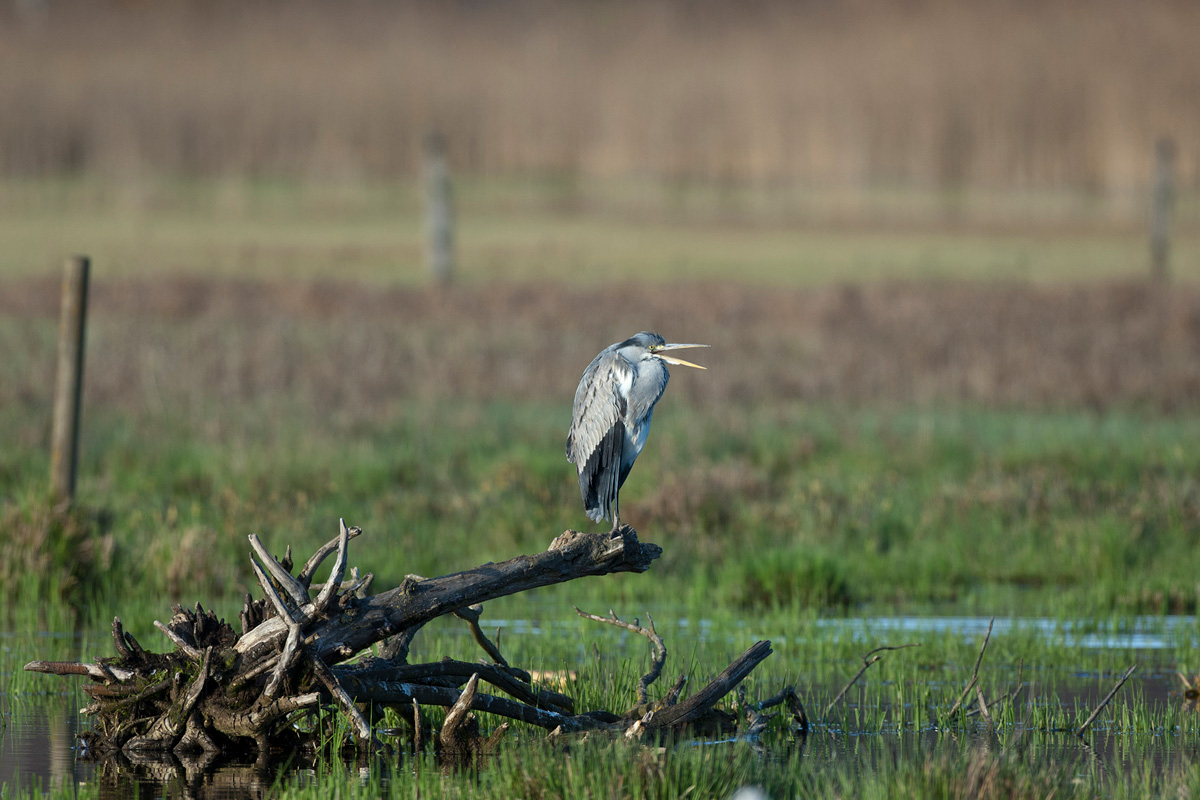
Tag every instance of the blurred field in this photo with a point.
(516, 230)
(935, 94)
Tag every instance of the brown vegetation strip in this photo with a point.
(358, 350)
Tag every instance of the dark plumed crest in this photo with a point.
(644, 339)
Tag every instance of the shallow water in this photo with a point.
(38, 745)
(38, 729)
(1136, 633)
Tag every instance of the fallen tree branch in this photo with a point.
(1087, 723)
(867, 662)
(471, 616)
(403, 693)
(65, 668)
(690, 710)
(292, 587)
(983, 707)
(975, 673)
(572, 555)
(225, 688)
(334, 687)
(501, 678)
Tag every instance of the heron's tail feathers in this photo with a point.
(597, 514)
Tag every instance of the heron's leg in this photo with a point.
(616, 513)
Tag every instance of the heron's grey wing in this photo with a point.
(597, 436)
(599, 404)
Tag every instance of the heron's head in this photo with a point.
(650, 345)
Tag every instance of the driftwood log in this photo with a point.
(221, 690)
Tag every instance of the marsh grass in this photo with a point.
(622, 771)
(1066, 512)
(58, 556)
(881, 741)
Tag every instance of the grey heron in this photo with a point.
(611, 419)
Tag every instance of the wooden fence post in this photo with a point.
(68, 387)
(1161, 203)
(439, 209)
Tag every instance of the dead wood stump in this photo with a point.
(224, 690)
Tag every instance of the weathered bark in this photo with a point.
(218, 689)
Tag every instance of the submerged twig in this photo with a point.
(983, 708)
(323, 673)
(788, 695)
(867, 662)
(1105, 701)
(1012, 696)
(417, 730)
(656, 642)
(975, 673)
(457, 714)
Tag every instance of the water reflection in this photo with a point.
(37, 744)
(861, 754)
(200, 778)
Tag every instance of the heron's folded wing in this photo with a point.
(599, 404)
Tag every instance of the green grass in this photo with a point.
(1046, 513)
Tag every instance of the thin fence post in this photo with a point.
(68, 386)
(439, 209)
(1161, 204)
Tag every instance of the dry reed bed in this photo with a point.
(992, 95)
(356, 352)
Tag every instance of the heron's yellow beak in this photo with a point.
(678, 361)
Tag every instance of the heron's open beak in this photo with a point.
(678, 361)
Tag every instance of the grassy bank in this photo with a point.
(989, 444)
(1043, 513)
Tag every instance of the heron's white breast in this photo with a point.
(626, 384)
